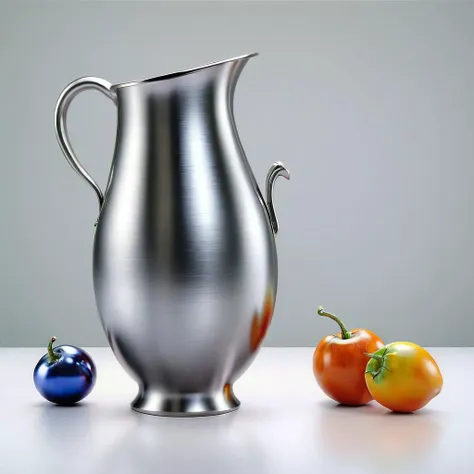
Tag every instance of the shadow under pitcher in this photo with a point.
(184, 263)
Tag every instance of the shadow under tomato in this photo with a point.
(67, 422)
(387, 440)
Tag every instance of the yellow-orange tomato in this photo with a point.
(403, 377)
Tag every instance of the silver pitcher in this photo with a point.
(185, 263)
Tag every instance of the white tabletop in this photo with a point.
(284, 425)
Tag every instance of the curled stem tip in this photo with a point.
(53, 357)
(344, 332)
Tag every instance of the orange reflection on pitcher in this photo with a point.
(260, 322)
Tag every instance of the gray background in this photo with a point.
(370, 105)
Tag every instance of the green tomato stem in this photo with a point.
(373, 356)
(344, 332)
(376, 363)
(53, 357)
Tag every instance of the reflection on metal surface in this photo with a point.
(260, 322)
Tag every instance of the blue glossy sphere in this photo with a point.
(68, 379)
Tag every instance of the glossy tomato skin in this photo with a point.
(405, 379)
(339, 366)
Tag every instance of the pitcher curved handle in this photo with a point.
(60, 119)
(276, 170)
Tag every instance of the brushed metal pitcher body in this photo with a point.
(184, 264)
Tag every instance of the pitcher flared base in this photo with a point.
(154, 402)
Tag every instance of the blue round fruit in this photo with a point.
(65, 375)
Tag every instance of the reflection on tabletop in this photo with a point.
(377, 437)
(70, 424)
(137, 443)
(273, 436)
(184, 445)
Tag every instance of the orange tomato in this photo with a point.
(403, 377)
(339, 363)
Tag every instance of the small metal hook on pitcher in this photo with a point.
(276, 170)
